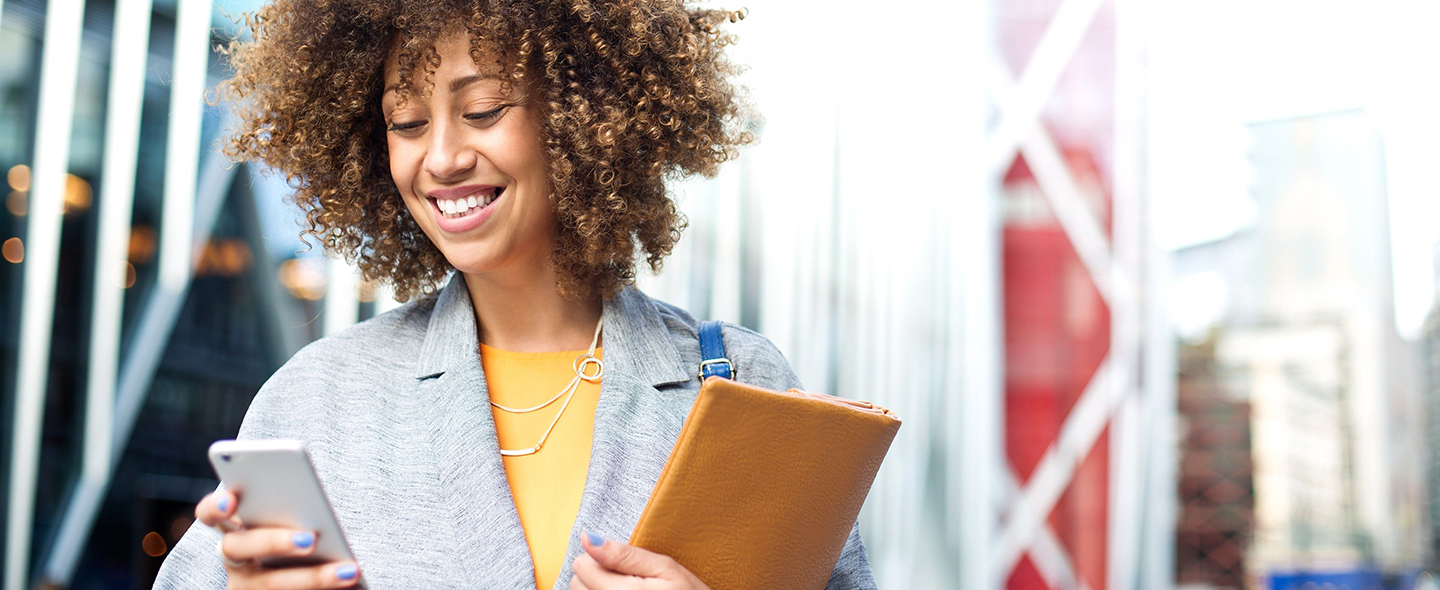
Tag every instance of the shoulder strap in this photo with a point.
(712, 352)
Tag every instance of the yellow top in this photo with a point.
(546, 485)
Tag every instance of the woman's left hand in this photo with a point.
(612, 565)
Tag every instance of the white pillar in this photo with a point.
(42, 235)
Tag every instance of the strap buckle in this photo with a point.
(711, 368)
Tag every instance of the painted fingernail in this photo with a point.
(595, 539)
(346, 572)
(303, 539)
(223, 504)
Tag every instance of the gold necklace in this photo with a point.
(581, 363)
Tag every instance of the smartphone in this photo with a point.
(277, 486)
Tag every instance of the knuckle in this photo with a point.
(321, 577)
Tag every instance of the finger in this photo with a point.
(342, 574)
(576, 584)
(592, 575)
(217, 509)
(266, 542)
(626, 559)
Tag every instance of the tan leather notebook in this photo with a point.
(763, 486)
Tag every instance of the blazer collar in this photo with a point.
(636, 340)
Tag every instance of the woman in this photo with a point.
(524, 146)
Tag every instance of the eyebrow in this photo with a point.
(455, 85)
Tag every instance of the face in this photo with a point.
(469, 164)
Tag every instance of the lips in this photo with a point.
(455, 206)
(464, 208)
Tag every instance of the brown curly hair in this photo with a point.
(629, 92)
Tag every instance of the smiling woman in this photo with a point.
(621, 95)
(496, 434)
(468, 162)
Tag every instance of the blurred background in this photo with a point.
(1151, 282)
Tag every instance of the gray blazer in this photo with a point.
(395, 415)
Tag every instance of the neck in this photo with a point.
(527, 314)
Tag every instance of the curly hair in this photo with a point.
(630, 93)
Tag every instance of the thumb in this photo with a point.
(624, 559)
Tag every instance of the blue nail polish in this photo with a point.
(223, 504)
(595, 540)
(303, 539)
(346, 572)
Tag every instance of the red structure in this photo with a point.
(1057, 333)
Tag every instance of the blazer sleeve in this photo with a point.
(194, 563)
(759, 362)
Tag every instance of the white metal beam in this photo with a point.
(1057, 183)
(1020, 110)
(152, 333)
(128, 56)
(1047, 553)
(1127, 515)
(1087, 419)
(182, 154)
(179, 244)
(58, 67)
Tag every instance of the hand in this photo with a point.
(241, 549)
(612, 565)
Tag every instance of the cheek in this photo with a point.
(402, 167)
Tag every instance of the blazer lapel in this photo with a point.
(635, 424)
(491, 550)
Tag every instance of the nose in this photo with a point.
(448, 157)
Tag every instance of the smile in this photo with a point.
(457, 207)
(461, 209)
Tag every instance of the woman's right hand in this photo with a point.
(241, 549)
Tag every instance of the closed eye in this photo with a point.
(403, 127)
(489, 115)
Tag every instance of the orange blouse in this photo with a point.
(548, 484)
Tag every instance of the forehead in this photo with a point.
(413, 60)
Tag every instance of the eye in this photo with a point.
(486, 116)
(405, 128)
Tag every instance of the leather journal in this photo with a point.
(763, 486)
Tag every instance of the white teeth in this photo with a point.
(464, 204)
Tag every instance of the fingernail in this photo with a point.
(346, 572)
(223, 504)
(595, 540)
(303, 539)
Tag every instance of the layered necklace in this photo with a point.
(582, 364)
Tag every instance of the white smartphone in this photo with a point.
(277, 486)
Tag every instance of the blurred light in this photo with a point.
(19, 177)
(78, 195)
(154, 544)
(225, 258)
(178, 528)
(129, 280)
(142, 244)
(18, 202)
(302, 279)
(13, 250)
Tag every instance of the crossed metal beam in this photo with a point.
(1115, 273)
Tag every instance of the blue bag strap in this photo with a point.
(712, 353)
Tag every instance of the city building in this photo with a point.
(1306, 336)
(1430, 361)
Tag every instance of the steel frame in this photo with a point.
(1116, 266)
(187, 208)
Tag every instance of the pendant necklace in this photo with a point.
(581, 365)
